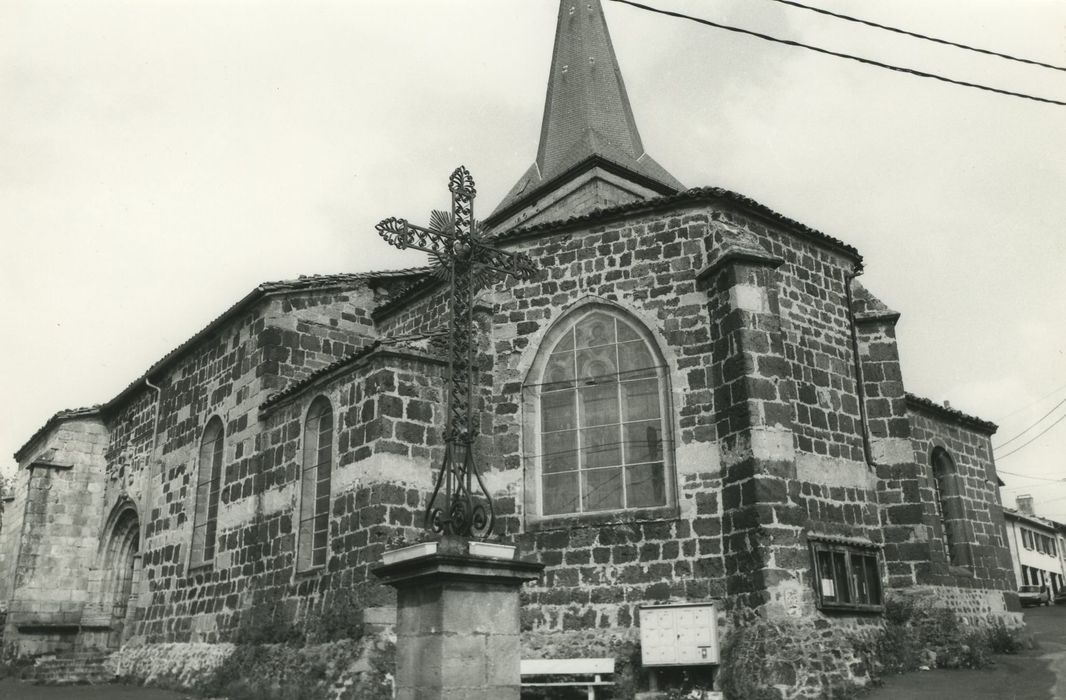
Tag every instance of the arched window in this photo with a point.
(950, 507)
(601, 422)
(208, 484)
(315, 485)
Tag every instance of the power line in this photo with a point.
(599, 379)
(1033, 425)
(1027, 476)
(916, 35)
(1033, 403)
(1030, 441)
(837, 54)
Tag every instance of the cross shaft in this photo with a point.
(454, 508)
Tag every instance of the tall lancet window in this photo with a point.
(208, 485)
(315, 485)
(602, 425)
(950, 506)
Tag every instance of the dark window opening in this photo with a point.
(846, 576)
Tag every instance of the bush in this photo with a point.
(268, 621)
(1003, 640)
(918, 633)
(337, 616)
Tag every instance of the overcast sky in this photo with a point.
(160, 159)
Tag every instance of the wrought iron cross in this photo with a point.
(468, 264)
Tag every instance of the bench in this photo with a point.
(588, 673)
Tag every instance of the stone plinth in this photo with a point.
(457, 620)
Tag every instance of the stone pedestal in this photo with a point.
(457, 619)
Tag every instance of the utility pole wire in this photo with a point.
(850, 57)
(916, 35)
(1031, 440)
(1034, 424)
(1027, 476)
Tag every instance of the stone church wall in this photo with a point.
(386, 415)
(601, 570)
(985, 531)
(57, 516)
(228, 373)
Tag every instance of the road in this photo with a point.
(1035, 674)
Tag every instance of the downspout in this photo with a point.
(148, 487)
(860, 381)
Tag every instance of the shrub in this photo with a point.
(919, 633)
(337, 616)
(1002, 639)
(268, 621)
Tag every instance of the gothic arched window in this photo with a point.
(315, 485)
(208, 485)
(950, 506)
(601, 418)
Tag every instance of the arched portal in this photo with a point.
(122, 567)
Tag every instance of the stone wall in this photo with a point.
(57, 516)
(387, 418)
(967, 442)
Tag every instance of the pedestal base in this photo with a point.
(457, 623)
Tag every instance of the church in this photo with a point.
(692, 400)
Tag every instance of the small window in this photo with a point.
(208, 485)
(315, 486)
(846, 576)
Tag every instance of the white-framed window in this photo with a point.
(315, 482)
(601, 426)
(208, 488)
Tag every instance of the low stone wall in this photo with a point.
(342, 670)
(188, 666)
(975, 607)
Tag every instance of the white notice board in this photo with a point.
(679, 635)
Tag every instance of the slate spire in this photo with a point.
(587, 115)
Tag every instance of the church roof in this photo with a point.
(952, 414)
(56, 419)
(696, 195)
(302, 283)
(587, 115)
(420, 347)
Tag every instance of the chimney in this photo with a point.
(1025, 504)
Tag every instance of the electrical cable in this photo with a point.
(917, 35)
(599, 379)
(1026, 476)
(1033, 403)
(837, 54)
(1029, 442)
(1033, 425)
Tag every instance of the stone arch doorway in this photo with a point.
(122, 572)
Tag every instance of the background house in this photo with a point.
(1036, 546)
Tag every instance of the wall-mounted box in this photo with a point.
(684, 634)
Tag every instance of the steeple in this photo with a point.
(590, 152)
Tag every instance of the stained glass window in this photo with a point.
(601, 420)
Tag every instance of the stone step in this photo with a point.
(81, 668)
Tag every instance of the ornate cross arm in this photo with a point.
(517, 265)
(403, 234)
